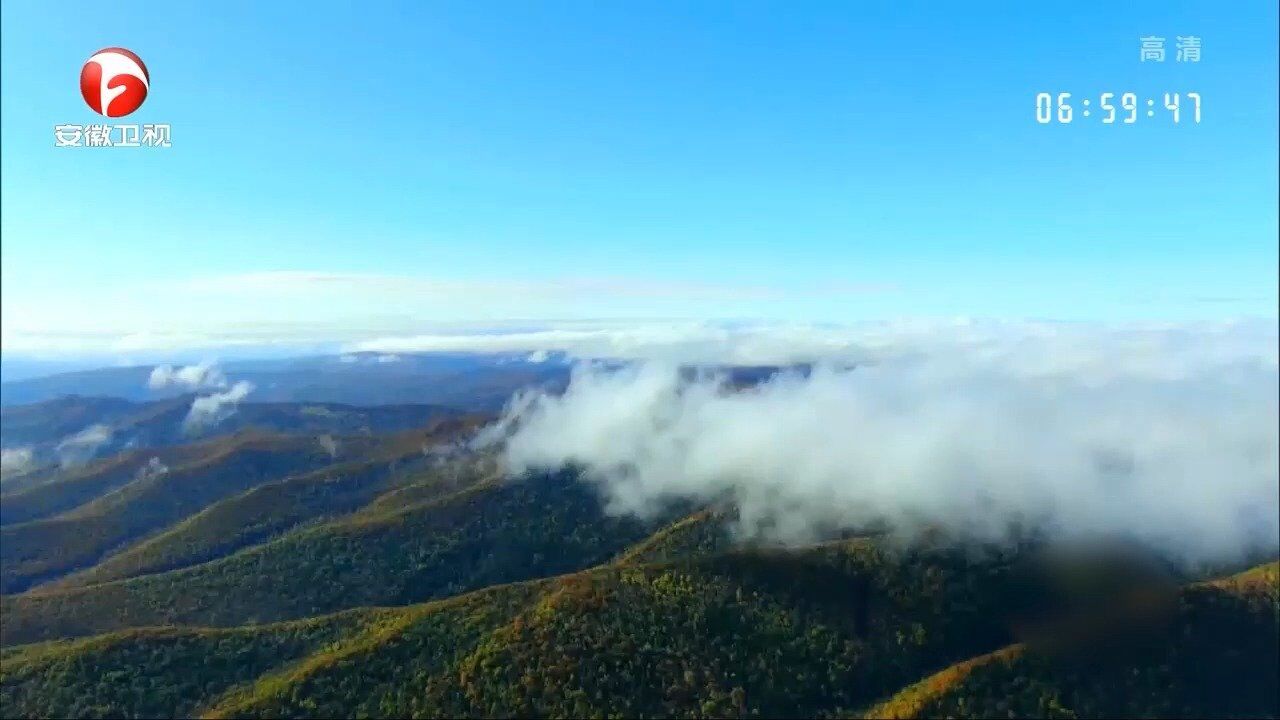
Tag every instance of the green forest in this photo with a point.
(261, 575)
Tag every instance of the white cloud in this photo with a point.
(693, 342)
(193, 377)
(15, 461)
(293, 308)
(154, 468)
(210, 410)
(1166, 434)
(82, 446)
(207, 410)
(1027, 346)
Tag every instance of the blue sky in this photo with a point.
(347, 169)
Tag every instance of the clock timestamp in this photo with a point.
(1123, 109)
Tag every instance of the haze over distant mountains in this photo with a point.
(458, 379)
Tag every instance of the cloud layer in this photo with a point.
(82, 446)
(190, 377)
(209, 410)
(1166, 435)
(306, 308)
(15, 461)
(1026, 345)
(206, 410)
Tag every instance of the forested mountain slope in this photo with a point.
(159, 672)
(827, 627)
(51, 491)
(1219, 658)
(49, 429)
(156, 497)
(282, 574)
(493, 532)
(813, 633)
(273, 508)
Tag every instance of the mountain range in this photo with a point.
(319, 559)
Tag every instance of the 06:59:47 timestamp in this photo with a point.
(1060, 108)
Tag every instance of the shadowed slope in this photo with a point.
(1220, 658)
(809, 633)
(45, 549)
(160, 672)
(492, 533)
(769, 633)
(271, 509)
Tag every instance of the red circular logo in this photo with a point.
(114, 82)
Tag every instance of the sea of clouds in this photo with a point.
(1163, 434)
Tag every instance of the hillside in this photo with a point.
(55, 419)
(397, 465)
(159, 672)
(300, 574)
(793, 632)
(810, 633)
(705, 532)
(152, 499)
(52, 491)
(1221, 658)
(48, 429)
(492, 532)
(774, 634)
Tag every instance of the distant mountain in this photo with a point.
(402, 469)
(154, 496)
(52, 420)
(73, 429)
(461, 380)
(467, 381)
(72, 520)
